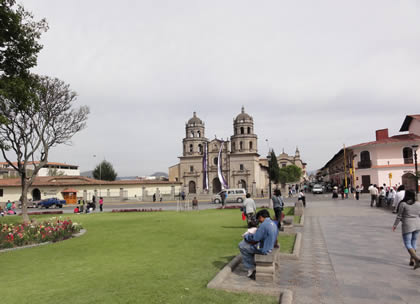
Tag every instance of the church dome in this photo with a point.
(243, 116)
(195, 120)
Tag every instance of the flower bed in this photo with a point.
(53, 230)
(137, 210)
(239, 207)
(44, 212)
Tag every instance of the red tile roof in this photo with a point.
(37, 162)
(392, 139)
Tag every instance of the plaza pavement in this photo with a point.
(349, 255)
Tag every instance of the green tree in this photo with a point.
(290, 174)
(273, 168)
(28, 132)
(105, 171)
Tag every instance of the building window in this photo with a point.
(241, 167)
(249, 130)
(241, 146)
(215, 160)
(200, 148)
(1, 192)
(250, 145)
(242, 130)
(191, 168)
(365, 161)
(198, 134)
(233, 146)
(191, 148)
(192, 134)
(408, 155)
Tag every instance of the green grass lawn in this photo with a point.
(163, 257)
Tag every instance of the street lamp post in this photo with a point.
(415, 147)
(269, 177)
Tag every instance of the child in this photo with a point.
(252, 228)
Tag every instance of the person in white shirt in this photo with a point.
(250, 209)
(398, 198)
(373, 195)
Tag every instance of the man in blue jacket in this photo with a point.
(262, 242)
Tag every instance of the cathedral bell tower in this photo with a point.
(244, 139)
(194, 141)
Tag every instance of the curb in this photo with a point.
(285, 296)
(221, 276)
(296, 249)
(302, 222)
(82, 232)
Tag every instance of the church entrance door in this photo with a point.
(242, 184)
(217, 187)
(191, 187)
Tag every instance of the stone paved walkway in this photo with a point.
(349, 255)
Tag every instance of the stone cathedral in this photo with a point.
(241, 163)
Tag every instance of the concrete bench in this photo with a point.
(265, 266)
(287, 226)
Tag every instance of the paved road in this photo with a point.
(349, 255)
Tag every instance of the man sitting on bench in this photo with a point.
(262, 242)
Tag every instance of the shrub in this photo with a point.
(137, 210)
(52, 230)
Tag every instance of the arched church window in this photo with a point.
(200, 148)
(249, 130)
(215, 160)
(241, 145)
(198, 134)
(233, 147)
(191, 148)
(250, 145)
(192, 134)
(242, 130)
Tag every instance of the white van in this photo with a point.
(233, 196)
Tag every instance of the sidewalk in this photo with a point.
(349, 255)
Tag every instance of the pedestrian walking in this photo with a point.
(346, 192)
(373, 190)
(250, 209)
(223, 196)
(278, 205)
(302, 198)
(195, 203)
(154, 197)
(409, 216)
(399, 197)
(183, 195)
(357, 192)
(101, 204)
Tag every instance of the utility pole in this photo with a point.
(345, 167)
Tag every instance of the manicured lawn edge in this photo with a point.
(285, 296)
(82, 232)
(296, 248)
(301, 223)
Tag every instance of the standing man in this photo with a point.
(357, 192)
(265, 237)
(373, 195)
(278, 205)
(223, 197)
(183, 195)
(195, 203)
(399, 196)
(250, 209)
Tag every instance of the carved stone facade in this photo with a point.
(241, 164)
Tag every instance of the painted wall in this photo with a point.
(414, 127)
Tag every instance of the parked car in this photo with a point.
(51, 202)
(233, 196)
(317, 189)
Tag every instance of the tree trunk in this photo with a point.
(24, 199)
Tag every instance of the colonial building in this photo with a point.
(285, 160)
(49, 169)
(241, 165)
(386, 160)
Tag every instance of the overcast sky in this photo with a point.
(313, 74)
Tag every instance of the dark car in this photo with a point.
(51, 202)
